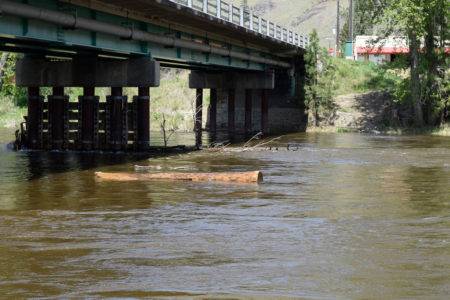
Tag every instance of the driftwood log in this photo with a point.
(238, 177)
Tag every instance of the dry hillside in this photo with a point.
(300, 15)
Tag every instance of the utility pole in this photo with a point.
(350, 21)
(337, 30)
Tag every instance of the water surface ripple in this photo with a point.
(344, 216)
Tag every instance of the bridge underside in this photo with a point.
(68, 45)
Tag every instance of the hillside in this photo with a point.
(300, 15)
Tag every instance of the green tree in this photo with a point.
(319, 77)
(8, 87)
(425, 24)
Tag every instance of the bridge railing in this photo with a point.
(237, 15)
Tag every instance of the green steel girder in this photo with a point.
(18, 35)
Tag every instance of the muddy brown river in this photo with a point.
(344, 216)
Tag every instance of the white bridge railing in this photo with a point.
(239, 16)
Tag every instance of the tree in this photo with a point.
(319, 77)
(426, 89)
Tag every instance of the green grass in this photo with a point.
(11, 115)
(360, 77)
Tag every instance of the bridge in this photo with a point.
(242, 58)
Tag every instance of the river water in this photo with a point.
(345, 216)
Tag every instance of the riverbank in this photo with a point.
(371, 112)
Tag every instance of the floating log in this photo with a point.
(239, 177)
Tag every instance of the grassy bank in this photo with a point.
(10, 114)
(359, 77)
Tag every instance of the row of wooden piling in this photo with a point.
(55, 123)
(88, 124)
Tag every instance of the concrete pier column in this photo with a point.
(33, 118)
(57, 116)
(248, 111)
(88, 116)
(231, 111)
(143, 118)
(198, 117)
(264, 111)
(213, 111)
(115, 118)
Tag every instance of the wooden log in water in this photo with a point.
(239, 177)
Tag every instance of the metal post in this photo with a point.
(259, 24)
(251, 21)
(282, 33)
(198, 117)
(213, 110)
(88, 110)
(248, 111)
(57, 111)
(241, 16)
(143, 118)
(219, 8)
(189, 2)
(230, 14)
(267, 27)
(231, 101)
(205, 6)
(116, 118)
(275, 30)
(33, 118)
(264, 112)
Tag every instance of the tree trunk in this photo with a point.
(431, 118)
(2, 65)
(238, 177)
(415, 88)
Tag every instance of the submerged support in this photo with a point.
(213, 110)
(264, 111)
(33, 118)
(57, 114)
(231, 111)
(115, 118)
(248, 111)
(89, 107)
(198, 117)
(143, 118)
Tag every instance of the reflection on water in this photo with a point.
(343, 216)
